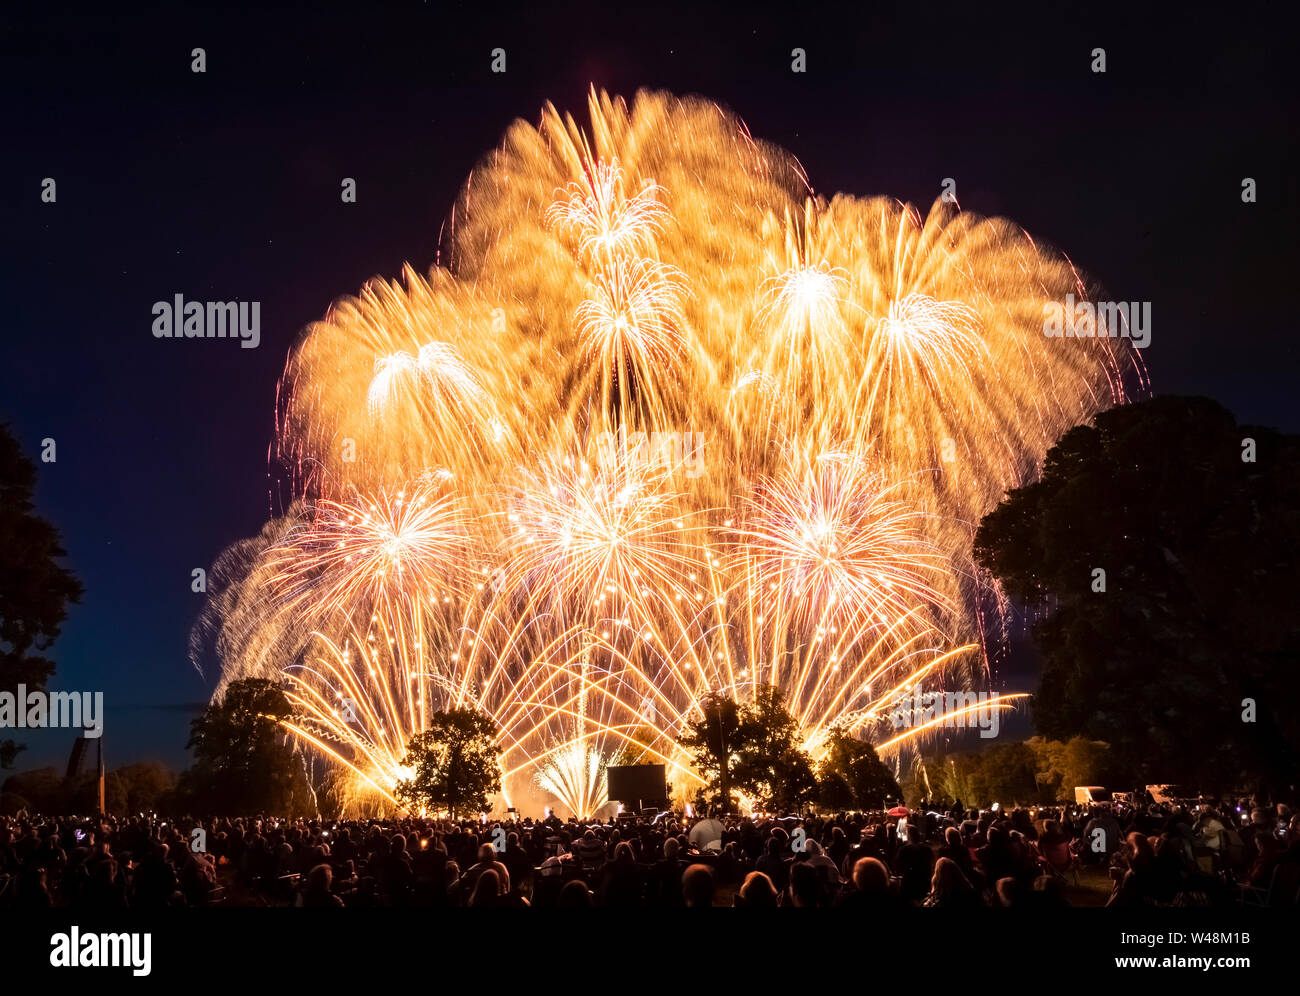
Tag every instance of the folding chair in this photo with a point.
(1253, 895)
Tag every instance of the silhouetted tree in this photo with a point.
(770, 766)
(711, 742)
(1186, 662)
(34, 589)
(244, 761)
(137, 788)
(457, 764)
(752, 747)
(852, 776)
(41, 790)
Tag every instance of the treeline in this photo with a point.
(132, 788)
(244, 762)
(750, 754)
(1037, 771)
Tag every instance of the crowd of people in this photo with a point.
(1209, 855)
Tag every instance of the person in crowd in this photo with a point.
(664, 878)
(914, 864)
(950, 888)
(958, 852)
(806, 889)
(697, 887)
(575, 895)
(823, 864)
(318, 892)
(757, 892)
(622, 880)
(871, 887)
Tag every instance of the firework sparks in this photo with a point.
(867, 383)
(607, 224)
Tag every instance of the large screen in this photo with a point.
(632, 783)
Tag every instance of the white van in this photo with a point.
(1091, 795)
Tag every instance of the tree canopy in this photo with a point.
(456, 763)
(1182, 655)
(244, 761)
(35, 590)
(770, 767)
(1037, 770)
(711, 742)
(755, 748)
(852, 776)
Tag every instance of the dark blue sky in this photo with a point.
(226, 185)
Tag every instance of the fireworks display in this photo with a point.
(667, 425)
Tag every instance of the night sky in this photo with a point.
(225, 185)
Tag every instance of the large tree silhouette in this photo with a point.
(752, 747)
(456, 763)
(852, 776)
(1183, 655)
(770, 765)
(711, 742)
(244, 761)
(34, 589)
